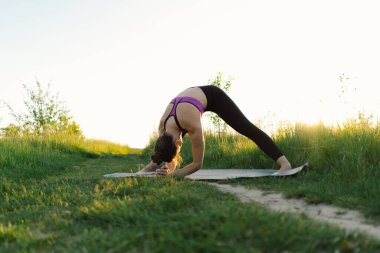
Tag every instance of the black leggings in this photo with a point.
(221, 104)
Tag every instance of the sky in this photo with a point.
(117, 64)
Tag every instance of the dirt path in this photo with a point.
(344, 218)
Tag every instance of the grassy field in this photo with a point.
(53, 198)
(344, 162)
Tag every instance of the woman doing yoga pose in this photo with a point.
(183, 115)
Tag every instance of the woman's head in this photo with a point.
(166, 149)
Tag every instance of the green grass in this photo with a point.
(53, 197)
(50, 155)
(79, 211)
(344, 162)
(344, 166)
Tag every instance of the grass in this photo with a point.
(53, 197)
(344, 162)
(344, 166)
(50, 155)
(79, 211)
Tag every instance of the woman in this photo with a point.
(183, 115)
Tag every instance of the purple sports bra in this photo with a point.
(173, 112)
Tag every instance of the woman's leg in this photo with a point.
(220, 103)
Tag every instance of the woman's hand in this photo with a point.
(163, 171)
(167, 169)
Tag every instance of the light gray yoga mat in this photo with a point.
(220, 174)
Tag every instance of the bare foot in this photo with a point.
(284, 164)
(285, 167)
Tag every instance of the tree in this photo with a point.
(219, 125)
(46, 114)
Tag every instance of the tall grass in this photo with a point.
(36, 156)
(355, 143)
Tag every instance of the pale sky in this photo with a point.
(117, 64)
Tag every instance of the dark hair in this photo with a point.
(164, 150)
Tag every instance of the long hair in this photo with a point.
(165, 150)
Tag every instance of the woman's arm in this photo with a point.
(198, 147)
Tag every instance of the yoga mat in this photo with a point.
(220, 174)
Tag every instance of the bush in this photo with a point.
(45, 115)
